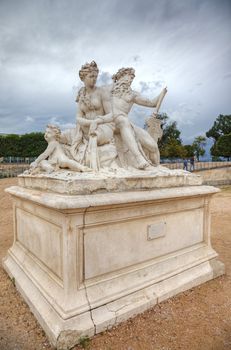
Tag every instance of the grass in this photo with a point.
(84, 341)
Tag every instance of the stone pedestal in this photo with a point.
(84, 263)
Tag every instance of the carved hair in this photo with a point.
(82, 96)
(120, 87)
(121, 72)
(56, 130)
(88, 68)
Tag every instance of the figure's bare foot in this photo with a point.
(34, 171)
(85, 169)
(149, 167)
(142, 164)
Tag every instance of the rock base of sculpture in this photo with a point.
(84, 263)
(111, 180)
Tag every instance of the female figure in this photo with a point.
(94, 117)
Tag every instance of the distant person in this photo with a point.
(185, 164)
(192, 164)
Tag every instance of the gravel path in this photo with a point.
(199, 319)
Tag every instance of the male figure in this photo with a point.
(54, 156)
(123, 98)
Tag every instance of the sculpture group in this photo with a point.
(104, 136)
(91, 250)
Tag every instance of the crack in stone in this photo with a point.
(120, 308)
(90, 309)
(116, 316)
(147, 298)
(117, 310)
(85, 287)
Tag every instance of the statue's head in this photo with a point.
(89, 73)
(53, 132)
(125, 74)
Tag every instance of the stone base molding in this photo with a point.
(84, 263)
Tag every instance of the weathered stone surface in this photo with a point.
(86, 262)
(104, 137)
(65, 182)
(92, 249)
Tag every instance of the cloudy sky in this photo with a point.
(184, 44)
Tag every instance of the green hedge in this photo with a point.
(27, 145)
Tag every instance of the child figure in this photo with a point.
(54, 156)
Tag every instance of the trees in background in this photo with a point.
(27, 145)
(223, 146)
(221, 126)
(198, 146)
(170, 145)
(220, 132)
(9, 145)
(32, 145)
(189, 151)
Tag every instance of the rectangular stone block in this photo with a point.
(84, 263)
(41, 238)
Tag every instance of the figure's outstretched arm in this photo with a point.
(143, 101)
(50, 148)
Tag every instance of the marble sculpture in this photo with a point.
(102, 232)
(104, 136)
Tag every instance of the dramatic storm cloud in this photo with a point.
(182, 44)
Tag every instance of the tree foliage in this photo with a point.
(9, 145)
(27, 145)
(223, 146)
(170, 144)
(173, 149)
(198, 145)
(221, 128)
(189, 151)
